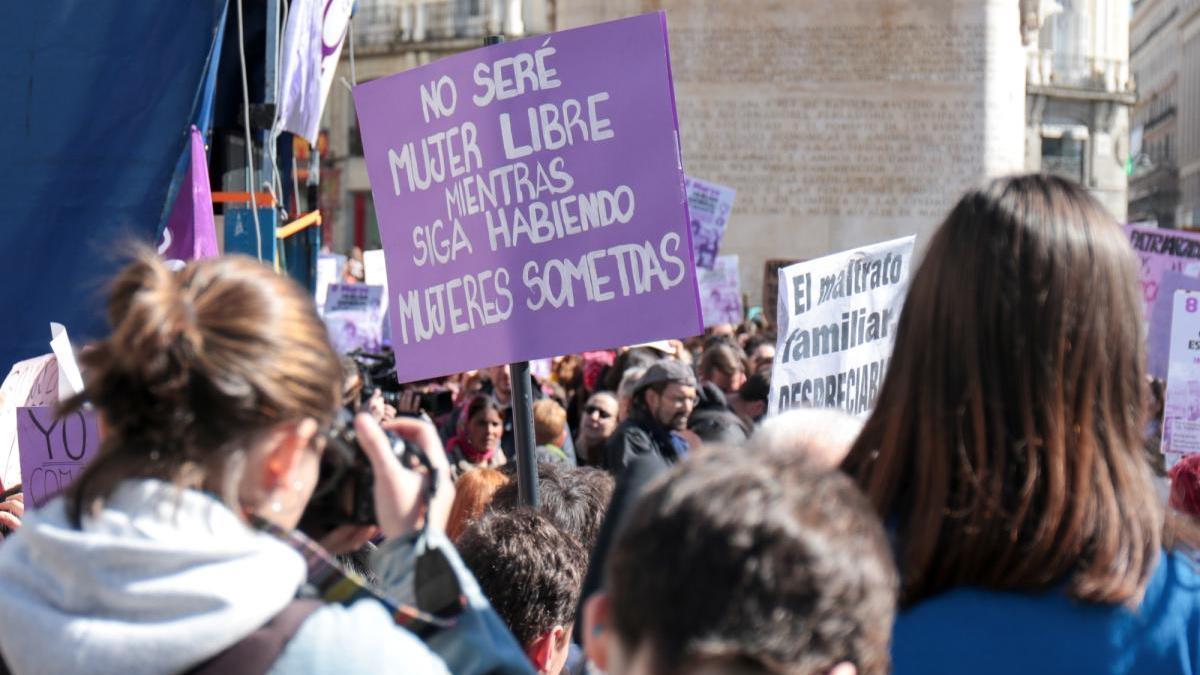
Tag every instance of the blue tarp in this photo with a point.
(96, 102)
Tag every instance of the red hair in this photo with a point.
(473, 493)
(1185, 485)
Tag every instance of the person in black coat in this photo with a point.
(662, 403)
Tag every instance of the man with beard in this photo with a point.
(662, 402)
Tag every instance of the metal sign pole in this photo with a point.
(522, 404)
(522, 409)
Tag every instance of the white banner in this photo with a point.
(720, 292)
(329, 271)
(1181, 412)
(312, 44)
(354, 317)
(31, 382)
(837, 325)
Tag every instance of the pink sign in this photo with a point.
(53, 451)
(1159, 251)
(530, 198)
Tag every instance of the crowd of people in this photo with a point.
(1001, 510)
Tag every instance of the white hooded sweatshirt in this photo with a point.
(160, 580)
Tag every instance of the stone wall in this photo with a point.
(839, 122)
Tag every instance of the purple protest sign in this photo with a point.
(530, 199)
(708, 206)
(1160, 251)
(53, 451)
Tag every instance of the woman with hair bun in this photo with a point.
(175, 548)
(1006, 451)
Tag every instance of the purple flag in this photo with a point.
(191, 232)
(530, 199)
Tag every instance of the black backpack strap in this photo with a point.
(258, 651)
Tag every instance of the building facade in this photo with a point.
(1078, 95)
(1154, 57)
(1187, 101)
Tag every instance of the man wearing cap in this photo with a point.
(662, 402)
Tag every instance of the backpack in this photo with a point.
(258, 651)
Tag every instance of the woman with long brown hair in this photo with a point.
(1006, 453)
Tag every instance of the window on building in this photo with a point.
(1063, 157)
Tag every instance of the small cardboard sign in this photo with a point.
(1181, 411)
(53, 450)
(1158, 337)
(329, 271)
(354, 317)
(1160, 251)
(29, 382)
(708, 209)
(721, 292)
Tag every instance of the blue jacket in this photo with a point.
(982, 632)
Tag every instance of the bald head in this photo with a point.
(822, 435)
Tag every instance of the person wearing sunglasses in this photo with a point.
(597, 426)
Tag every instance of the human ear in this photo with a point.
(596, 613)
(758, 408)
(285, 446)
(540, 651)
(652, 399)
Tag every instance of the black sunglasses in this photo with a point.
(591, 409)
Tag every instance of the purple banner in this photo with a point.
(53, 451)
(530, 199)
(1159, 251)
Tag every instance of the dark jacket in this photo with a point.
(713, 420)
(639, 435)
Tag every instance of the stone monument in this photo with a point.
(839, 122)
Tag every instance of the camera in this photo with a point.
(345, 492)
(378, 373)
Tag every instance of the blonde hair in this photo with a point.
(549, 422)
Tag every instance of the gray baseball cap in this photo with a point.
(666, 371)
